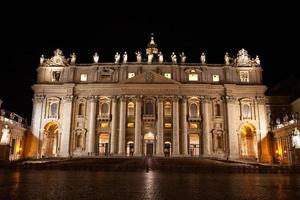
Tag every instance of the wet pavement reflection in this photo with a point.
(32, 185)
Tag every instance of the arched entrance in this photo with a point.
(50, 139)
(130, 148)
(149, 144)
(167, 149)
(248, 147)
(194, 148)
(103, 143)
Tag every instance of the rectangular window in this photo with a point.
(193, 125)
(168, 75)
(83, 77)
(168, 125)
(131, 74)
(130, 125)
(56, 76)
(104, 125)
(216, 78)
(244, 76)
(193, 77)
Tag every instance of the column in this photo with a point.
(175, 127)
(92, 102)
(113, 133)
(206, 135)
(36, 129)
(184, 134)
(160, 127)
(263, 140)
(232, 147)
(66, 126)
(121, 150)
(138, 127)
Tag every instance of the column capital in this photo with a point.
(123, 98)
(38, 98)
(205, 99)
(68, 98)
(184, 99)
(114, 99)
(229, 99)
(92, 99)
(260, 100)
(160, 99)
(175, 98)
(138, 98)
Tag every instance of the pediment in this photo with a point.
(149, 78)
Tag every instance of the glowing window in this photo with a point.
(104, 125)
(193, 125)
(168, 125)
(168, 75)
(131, 74)
(193, 77)
(83, 77)
(168, 111)
(130, 125)
(216, 78)
(130, 109)
(246, 111)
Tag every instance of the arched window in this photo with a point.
(168, 108)
(104, 108)
(81, 109)
(246, 111)
(194, 110)
(130, 109)
(218, 109)
(149, 108)
(53, 109)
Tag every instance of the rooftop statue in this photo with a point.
(160, 57)
(5, 138)
(183, 57)
(42, 60)
(257, 60)
(174, 58)
(57, 59)
(150, 58)
(227, 59)
(138, 56)
(73, 58)
(125, 57)
(117, 58)
(96, 57)
(203, 58)
(296, 138)
(243, 58)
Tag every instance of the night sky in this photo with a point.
(269, 31)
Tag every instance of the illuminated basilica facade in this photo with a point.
(150, 107)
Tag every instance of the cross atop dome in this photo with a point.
(152, 47)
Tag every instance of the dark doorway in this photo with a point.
(149, 149)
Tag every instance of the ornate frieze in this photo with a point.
(68, 98)
(260, 100)
(149, 77)
(38, 98)
(92, 98)
(229, 99)
(205, 99)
